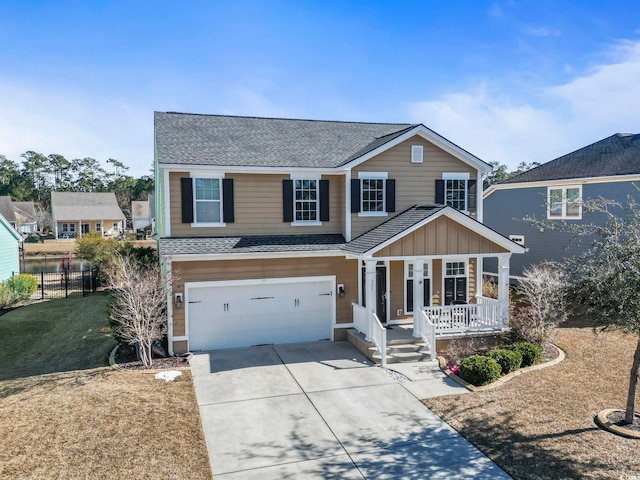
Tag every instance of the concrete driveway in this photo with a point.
(322, 410)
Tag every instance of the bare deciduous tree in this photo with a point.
(139, 309)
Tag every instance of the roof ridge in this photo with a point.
(404, 124)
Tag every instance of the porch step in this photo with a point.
(398, 351)
(401, 357)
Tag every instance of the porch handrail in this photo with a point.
(379, 337)
(484, 315)
(360, 319)
(428, 332)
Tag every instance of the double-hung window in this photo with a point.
(457, 190)
(564, 202)
(306, 200)
(207, 200)
(374, 194)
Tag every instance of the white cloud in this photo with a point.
(513, 126)
(74, 126)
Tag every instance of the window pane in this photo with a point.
(306, 204)
(555, 203)
(372, 195)
(207, 189)
(207, 212)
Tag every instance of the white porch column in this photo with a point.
(347, 206)
(418, 295)
(371, 294)
(503, 288)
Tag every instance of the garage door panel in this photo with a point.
(243, 315)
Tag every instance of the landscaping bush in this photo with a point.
(509, 360)
(23, 286)
(6, 295)
(530, 352)
(479, 370)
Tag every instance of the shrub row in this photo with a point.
(17, 288)
(484, 369)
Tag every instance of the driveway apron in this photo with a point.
(322, 410)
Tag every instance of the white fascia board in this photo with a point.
(236, 169)
(460, 218)
(563, 182)
(250, 256)
(432, 137)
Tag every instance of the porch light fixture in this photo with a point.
(178, 300)
(341, 291)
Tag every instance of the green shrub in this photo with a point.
(479, 370)
(23, 286)
(530, 352)
(509, 360)
(6, 295)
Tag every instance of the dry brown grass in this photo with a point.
(540, 425)
(101, 424)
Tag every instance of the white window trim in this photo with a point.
(466, 262)
(374, 176)
(466, 176)
(417, 154)
(306, 223)
(564, 215)
(197, 174)
(427, 266)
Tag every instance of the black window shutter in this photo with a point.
(440, 192)
(391, 195)
(472, 194)
(227, 200)
(324, 200)
(186, 198)
(355, 195)
(287, 200)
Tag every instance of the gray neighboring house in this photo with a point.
(555, 191)
(75, 214)
(20, 215)
(140, 217)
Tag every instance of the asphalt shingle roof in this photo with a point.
(85, 206)
(392, 227)
(618, 154)
(193, 139)
(250, 244)
(6, 208)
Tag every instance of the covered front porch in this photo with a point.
(427, 277)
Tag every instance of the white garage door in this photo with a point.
(246, 313)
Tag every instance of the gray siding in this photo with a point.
(504, 211)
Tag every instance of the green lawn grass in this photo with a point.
(55, 336)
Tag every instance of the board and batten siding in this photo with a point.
(258, 208)
(442, 236)
(9, 257)
(345, 271)
(505, 210)
(415, 182)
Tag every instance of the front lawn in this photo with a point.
(540, 425)
(63, 414)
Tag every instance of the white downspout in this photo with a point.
(347, 203)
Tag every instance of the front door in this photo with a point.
(455, 283)
(85, 228)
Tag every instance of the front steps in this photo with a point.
(400, 350)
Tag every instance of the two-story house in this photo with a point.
(279, 230)
(555, 192)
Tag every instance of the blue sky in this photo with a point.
(509, 81)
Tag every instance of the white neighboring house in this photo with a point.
(74, 214)
(140, 216)
(20, 215)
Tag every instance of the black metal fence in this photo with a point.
(65, 284)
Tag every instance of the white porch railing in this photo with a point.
(379, 337)
(427, 330)
(360, 319)
(373, 330)
(483, 315)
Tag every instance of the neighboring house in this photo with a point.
(75, 214)
(279, 231)
(20, 215)
(140, 216)
(9, 249)
(555, 192)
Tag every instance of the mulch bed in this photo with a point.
(126, 359)
(617, 418)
